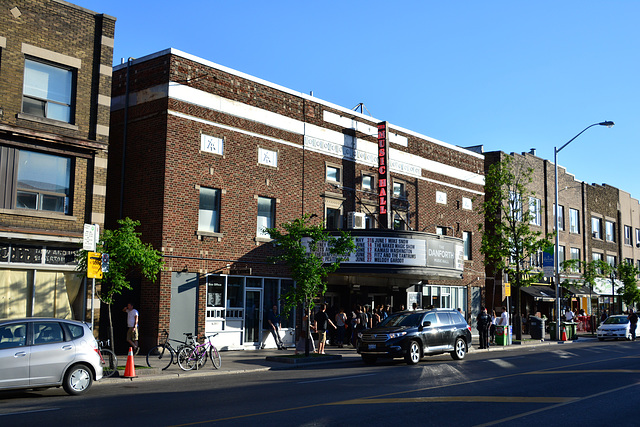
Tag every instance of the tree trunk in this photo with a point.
(309, 336)
(111, 344)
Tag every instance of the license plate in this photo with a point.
(372, 346)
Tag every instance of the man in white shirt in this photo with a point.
(132, 323)
(568, 315)
(504, 317)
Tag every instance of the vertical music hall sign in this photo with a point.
(384, 183)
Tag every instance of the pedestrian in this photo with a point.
(504, 317)
(341, 324)
(484, 323)
(132, 324)
(321, 324)
(492, 329)
(303, 337)
(603, 316)
(568, 315)
(274, 324)
(633, 323)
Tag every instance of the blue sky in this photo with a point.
(509, 75)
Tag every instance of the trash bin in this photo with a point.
(503, 335)
(536, 327)
(552, 331)
(571, 330)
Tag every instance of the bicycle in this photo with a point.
(108, 359)
(196, 357)
(164, 354)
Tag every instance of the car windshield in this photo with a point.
(616, 320)
(403, 319)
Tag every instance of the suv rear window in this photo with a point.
(444, 318)
(76, 331)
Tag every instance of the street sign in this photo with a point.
(90, 237)
(548, 261)
(506, 289)
(105, 263)
(94, 265)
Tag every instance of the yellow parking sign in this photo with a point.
(94, 265)
(506, 289)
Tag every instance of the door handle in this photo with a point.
(20, 354)
(67, 347)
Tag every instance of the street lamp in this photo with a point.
(557, 246)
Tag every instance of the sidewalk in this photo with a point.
(243, 361)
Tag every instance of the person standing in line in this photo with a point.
(274, 323)
(492, 329)
(633, 323)
(484, 322)
(341, 323)
(132, 323)
(321, 325)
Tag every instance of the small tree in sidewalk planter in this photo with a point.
(311, 254)
(127, 255)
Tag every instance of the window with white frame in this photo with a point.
(334, 173)
(561, 257)
(597, 256)
(399, 190)
(47, 91)
(266, 216)
(596, 227)
(610, 228)
(367, 182)
(560, 216)
(574, 221)
(575, 254)
(466, 242)
(637, 237)
(627, 235)
(209, 210)
(611, 260)
(515, 206)
(535, 211)
(333, 219)
(44, 182)
(399, 221)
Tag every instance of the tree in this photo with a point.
(311, 254)
(128, 255)
(628, 273)
(508, 241)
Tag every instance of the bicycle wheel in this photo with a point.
(160, 356)
(187, 358)
(201, 356)
(215, 357)
(109, 363)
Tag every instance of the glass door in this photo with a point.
(252, 318)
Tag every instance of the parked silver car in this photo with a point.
(47, 352)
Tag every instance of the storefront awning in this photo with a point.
(581, 291)
(540, 293)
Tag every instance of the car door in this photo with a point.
(446, 329)
(430, 334)
(14, 355)
(50, 353)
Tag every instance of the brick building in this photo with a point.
(55, 85)
(212, 155)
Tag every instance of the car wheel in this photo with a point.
(368, 359)
(459, 349)
(77, 380)
(414, 353)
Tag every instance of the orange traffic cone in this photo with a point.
(564, 334)
(130, 369)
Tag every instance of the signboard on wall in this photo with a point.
(384, 183)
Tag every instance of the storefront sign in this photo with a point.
(444, 253)
(384, 188)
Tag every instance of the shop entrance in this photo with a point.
(252, 317)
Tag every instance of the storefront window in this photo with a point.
(235, 290)
(215, 292)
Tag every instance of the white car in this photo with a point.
(615, 327)
(40, 353)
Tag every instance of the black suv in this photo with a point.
(413, 334)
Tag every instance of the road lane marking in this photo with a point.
(502, 363)
(587, 371)
(29, 412)
(334, 379)
(490, 399)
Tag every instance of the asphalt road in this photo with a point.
(590, 384)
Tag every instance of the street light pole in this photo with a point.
(557, 246)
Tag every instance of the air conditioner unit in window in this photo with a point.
(356, 220)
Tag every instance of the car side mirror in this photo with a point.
(426, 323)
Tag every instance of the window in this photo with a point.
(574, 221)
(627, 235)
(535, 260)
(637, 237)
(399, 190)
(209, 210)
(399, 223)
(367, 182)
(515, 206)
(466, 242)
(596, 227)
(611, 260)
(47, 333)
(441, 230)
(560, 216)
(333, 219)
(629, 261)
(610, 230)
(575, 254)
(266, 215)
(535, 206)
(333, 173)
(561, 256)
(598, 257)
(44, 182)
(47, 91)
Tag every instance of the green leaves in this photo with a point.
(300, 245)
